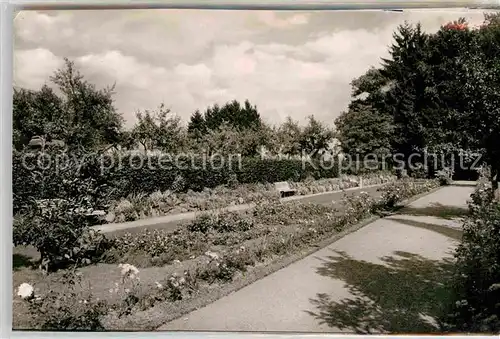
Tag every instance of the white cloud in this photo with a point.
(124, 69)
(290, 63)
(33, 67)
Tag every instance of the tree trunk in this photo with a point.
(143, 143)
(494, 182)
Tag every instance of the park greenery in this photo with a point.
(436, 92)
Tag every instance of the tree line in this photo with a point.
(83, 116)
(436, 92)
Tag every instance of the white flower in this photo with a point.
(160, 286)
(129, 270)
(25, 291)
(127, 290)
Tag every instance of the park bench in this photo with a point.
(284, 188)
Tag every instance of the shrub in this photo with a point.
(477, 279)
(394, 193)
(445, 176)
(223, 222)
(224, 267)
(59, 230)
(156, 247)
(419, 172)
(68, 310)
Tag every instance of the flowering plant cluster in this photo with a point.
(395, 193)
(459, 26)
(140, 206)
(64, 309)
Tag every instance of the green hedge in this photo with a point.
(30, 181)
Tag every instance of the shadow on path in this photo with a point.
(436, 210)
(404, 294)
(450, 232)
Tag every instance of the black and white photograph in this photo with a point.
(256, 171)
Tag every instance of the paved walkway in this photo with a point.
(388, 276)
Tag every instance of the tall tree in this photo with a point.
(362, 130)
(288, 136)
(82, 115)
(316, 137)
(481, 84)
(407, 71)
(197, 125)
(37, 113)
(158, 129)
(232, 113)
(90, 112)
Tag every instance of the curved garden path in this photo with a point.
(389, 276)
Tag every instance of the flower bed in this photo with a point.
(142, 206)
(177, 268)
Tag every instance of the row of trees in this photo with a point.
(84, 117)
(436, 92)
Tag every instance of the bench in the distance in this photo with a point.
(284, 188)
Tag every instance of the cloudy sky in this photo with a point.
(286, 63)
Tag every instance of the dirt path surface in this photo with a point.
(389, 276)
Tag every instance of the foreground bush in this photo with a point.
(59, 230)
(445, 176)
(396, 192)
(477, 280)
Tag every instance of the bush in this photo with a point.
(445, 176)
(59, 230)
(419, 172)
(156, 247)
(223, 222)
(477, 279)
(394, 193)
(68, 310)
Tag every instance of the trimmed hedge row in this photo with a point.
(35, 178)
